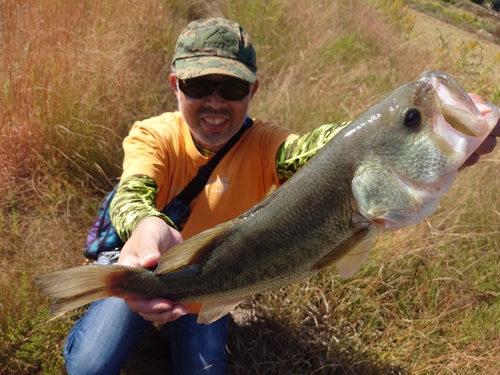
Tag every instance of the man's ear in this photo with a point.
(253, 90)
(173, 82)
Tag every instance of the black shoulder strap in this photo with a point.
(178, 209)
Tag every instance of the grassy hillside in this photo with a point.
(75, 75)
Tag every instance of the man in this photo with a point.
(214, 80)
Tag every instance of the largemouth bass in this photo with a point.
(384, 171)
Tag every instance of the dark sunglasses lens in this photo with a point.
(233, 89)
(195, 88)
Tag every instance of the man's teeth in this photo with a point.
(214, 121)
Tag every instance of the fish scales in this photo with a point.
(277, 245)
(273, 241)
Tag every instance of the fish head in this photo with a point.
(416, 139)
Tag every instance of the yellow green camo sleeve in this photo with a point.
(133, 202)
(297, 150)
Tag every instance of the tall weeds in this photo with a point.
(74, 77)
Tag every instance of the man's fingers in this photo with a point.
(157, 310)
(175, 238)
(149, 258)
(471, 160)
(496, 130)
(487, 146)
(164, 317)
(145, 257)
(150, 306)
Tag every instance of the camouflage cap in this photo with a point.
(215, 46)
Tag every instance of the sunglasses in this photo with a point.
(231, 89)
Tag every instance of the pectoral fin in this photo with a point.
(357, 256)
(211, 311)
(359, 243)
(182, 254)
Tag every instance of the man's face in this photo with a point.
(212, 119)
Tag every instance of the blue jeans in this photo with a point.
(102, 340)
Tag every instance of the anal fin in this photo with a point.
(214, 310)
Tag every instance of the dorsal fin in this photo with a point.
(181, 255)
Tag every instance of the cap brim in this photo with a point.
(202, 65)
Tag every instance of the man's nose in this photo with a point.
(214, 100)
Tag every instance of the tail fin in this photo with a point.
(75, 287)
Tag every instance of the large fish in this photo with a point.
(385, 171)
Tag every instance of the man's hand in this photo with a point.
(490, 142)
(156, 310)
(150, 239)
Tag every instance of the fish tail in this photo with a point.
(75, 287)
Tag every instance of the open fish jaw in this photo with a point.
(460, 112)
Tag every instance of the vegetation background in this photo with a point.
(74, 77)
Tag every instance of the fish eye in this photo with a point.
(412, 117)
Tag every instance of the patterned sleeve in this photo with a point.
(296, 150)
(133, 202)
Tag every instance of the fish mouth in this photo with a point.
(457, 108)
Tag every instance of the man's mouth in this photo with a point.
(214, 124)
(214, 121)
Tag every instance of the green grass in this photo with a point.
(76, 75)
(30, 341)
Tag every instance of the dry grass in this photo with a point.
(75, 75)
(334, 60)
